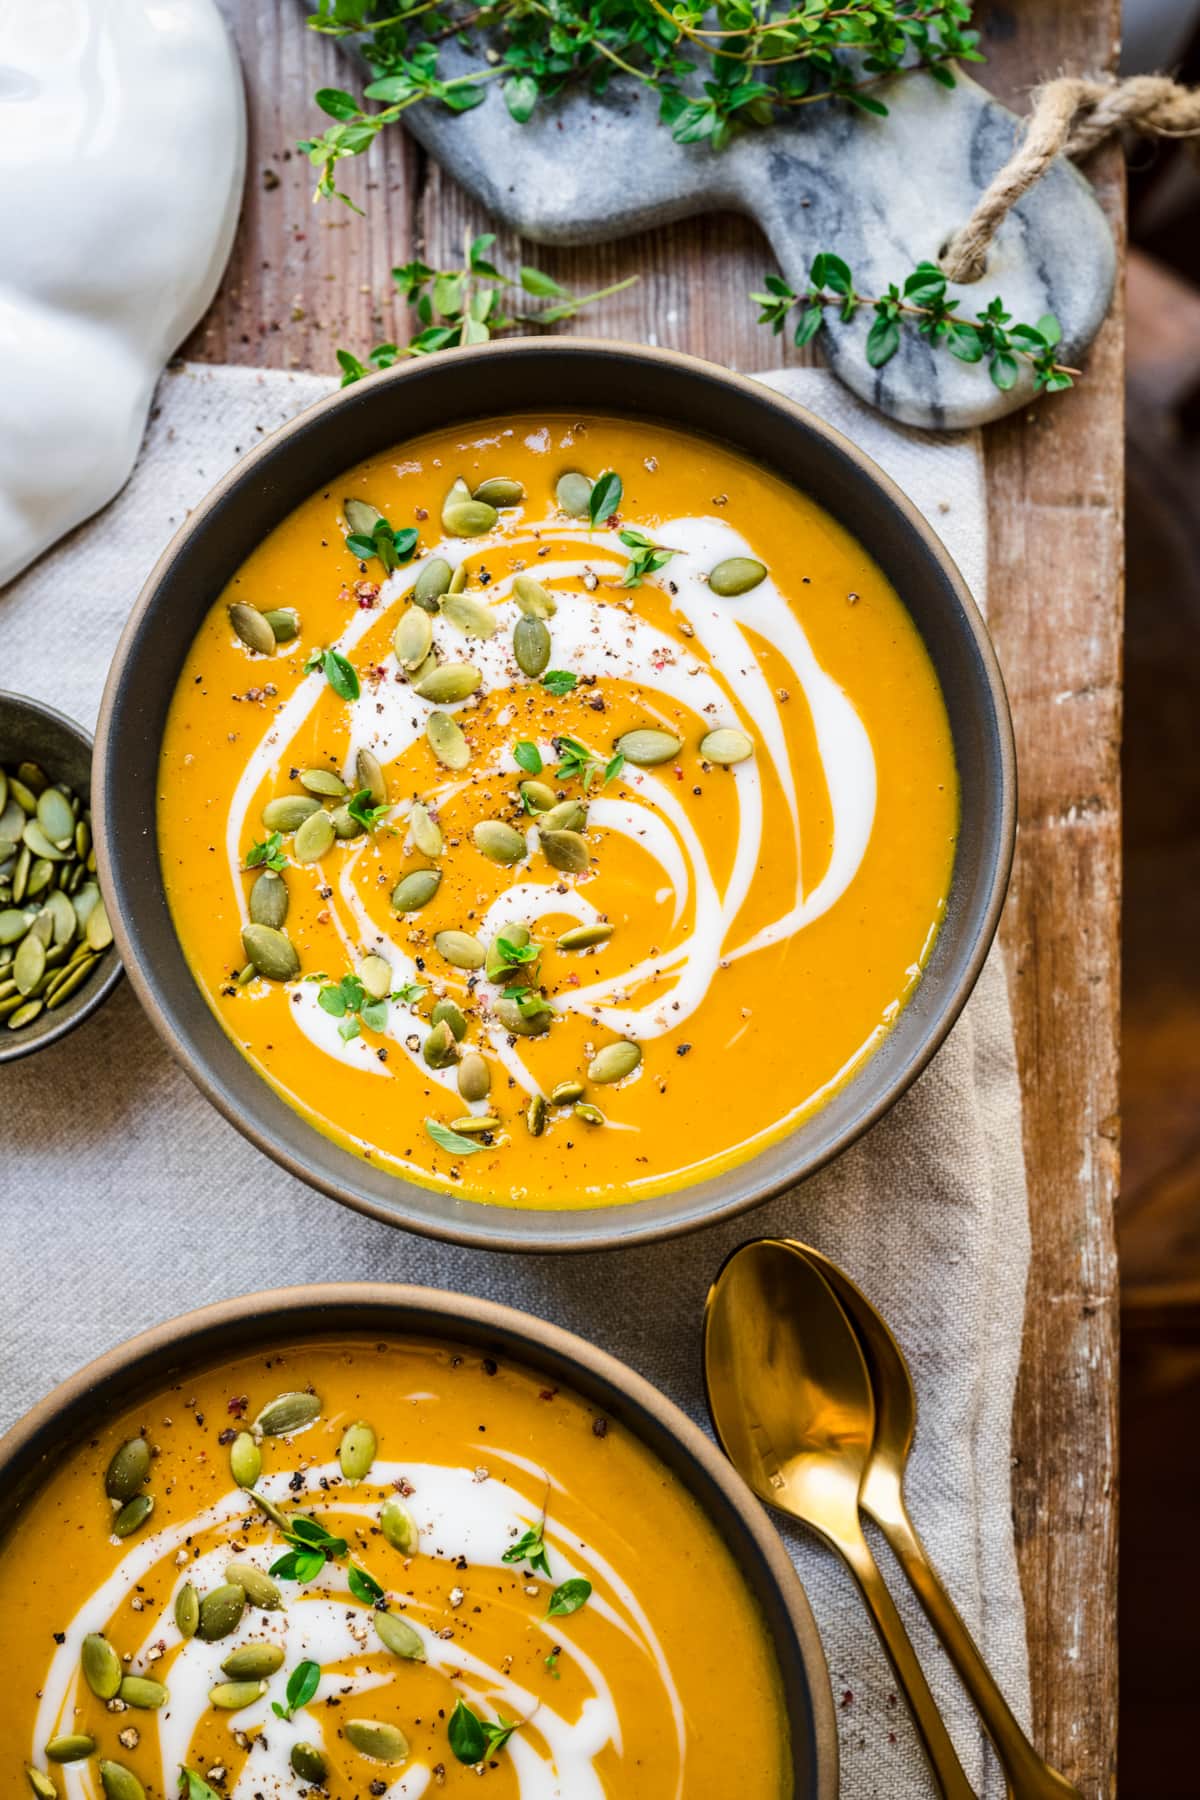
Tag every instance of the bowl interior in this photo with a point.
(31, 731)
(464, 385)
(293, 1314)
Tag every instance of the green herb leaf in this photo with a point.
(303, 1683)
(559, 682)
(536, 281)
(367, 815)
(528, 757)
(408, 993)
(530, 1548)
(569, 1597)
(605, 497)
(298, 1565)
(520, 96)
(268, 855)
(445, 1139)
(363, 1586)
(466, 1735)
(193, 1786)
(341, 676)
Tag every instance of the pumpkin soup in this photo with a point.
(557, 811)
(378, 1567)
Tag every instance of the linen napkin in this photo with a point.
(125, 1198)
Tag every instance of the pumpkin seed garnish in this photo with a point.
(499, 491)
(736, 575)
(536, 797)
(566, 1093)
(41, 1783)
(101, 1666)
(567, 815)
(127, 1471)
(308, 1763)
(273, 955)
(287, 812)
(726, 745)
(323, 782)
(564, 850)
(260, 1591)
(71, 1747)
(500, 843)
(533, 599)
(382, 1743)
(357, 1450)
(361, 516)
(369, 771)
(412, 639)
(232, 1696)
(286, 1414)
(396, 1635)
(475, 1124)
(252, 1662)
(416, 889)
(535, 1118)
(584, 937)
(432, 582)
(245, 1459)
(474, 1077)
(614, 1062)
(591, 1115)
(460, 949)
(133, 1515)
(56, 818)
(375, 973)
(531, 645)
(284, 622)
(268, 900)
(398, 1525)
(452, 1015)
(187, 1610)
(448, 683)
(468, 518)
(573, 491)
(440, 1048)
(470, 616)
(254, 631)
(509, 953)
(139, 1691)
(446, 740)
(313, 840)
(425, 831)
(648, 747)
(120, 1783)
(513, 1016)
(220, 1611)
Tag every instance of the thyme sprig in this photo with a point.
(920, 303)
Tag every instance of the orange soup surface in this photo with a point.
(378, 1568)
(557, 811)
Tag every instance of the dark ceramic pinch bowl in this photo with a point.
(430, 393)
(167, 1352)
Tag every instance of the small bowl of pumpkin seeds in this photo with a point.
(57, 958)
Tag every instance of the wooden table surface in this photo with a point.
(305, 280)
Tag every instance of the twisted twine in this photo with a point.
(1072, 116)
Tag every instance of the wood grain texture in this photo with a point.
(304, 280)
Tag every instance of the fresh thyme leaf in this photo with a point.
(559, 682)
(466, 1735)
(613, 768)
(391, 547)
(497, 1735)
(341, 675)
(303, 1683)
(569, 1597)
(299, 1565)
(605, 497)
(647, 559)
(268, 855)
(408, 993)
(193, 1786)
(367, 815)
(363, 1586)
(528, 757)
(551, 1663)
(515, 956)
(445, 1139)
(530, 1548)
(373, 1014)
(305, 1530)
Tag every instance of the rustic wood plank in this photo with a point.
(303, 282)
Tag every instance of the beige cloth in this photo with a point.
(125, 1198)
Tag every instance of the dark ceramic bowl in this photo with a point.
(288, 1315)
(30, 731)
(431, 393)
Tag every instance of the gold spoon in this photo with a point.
(881, 1495)
(790, 1398)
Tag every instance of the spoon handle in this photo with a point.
(948, 1772)
(1027, 1775)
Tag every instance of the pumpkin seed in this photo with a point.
(13, 925)
(426, 833)
(614, 1062)
(269, 900)
(308, 1763)
(568, 815)
(535, 1118)
(440, 1048)
(416, 889)
(324, 782)
(232, 1696)
(20, 880)
(500, 490)
(98, 930)
(23, 1015)
(583, 937)
(375, 973)
(432, 582)
(12, 820)
(43, 928)
(127, 1470)
(398, 1525)
(382, 1743)
(275, 1513)
(253, 1662)
(648, 747)
(141, 1692)
(120, 1783)
(537, 796)
(29, 965)
(496, 968)
(460, 949)
(220, 1611)
(448, 683)
(531, 645)
(475, 1124)
(62, 914)
(21, 791)
(361, 516)
(101, 1666)
(736, 575)
(254, 631)
(286, 1414)
(56, 818)
(70, 982)
(412, 639)
(83, 839)
(726, 746)
(356, 1451)
(41, 874)
(533, 1024)
(533, 599)
(459, 579)
(187, 1610)
(468, 518)
(573, 492)
(369, 775)
(446, 1012)
(288, 811)
(260, 1591)
(284, 622)
(499, 842)
(564, 850)
(470, 616)
(72, 1747)
(314, 839)
(474, 1077)
(566, 1092)
(133, 1515)
(345, 825)
(396, 1635)
(273, 955)
(245, 1460)
(447, 741)
(32, 777)
(41, 1784)
(591, 1115)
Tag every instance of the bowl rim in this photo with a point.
(128, 1366)
(611, 1227)
(93, 994)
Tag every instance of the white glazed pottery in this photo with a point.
(122, 153)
